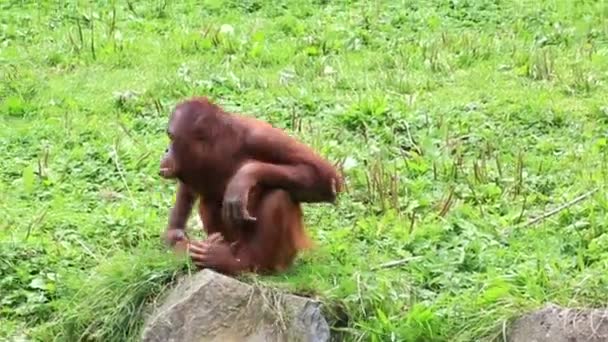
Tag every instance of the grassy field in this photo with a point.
(457, 122)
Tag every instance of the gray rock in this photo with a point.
(209, 306)
(555, 324)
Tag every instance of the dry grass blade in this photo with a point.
(396, 263)
(561, 208)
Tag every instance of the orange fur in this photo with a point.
(250, 179)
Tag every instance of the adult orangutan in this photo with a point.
(250, 179)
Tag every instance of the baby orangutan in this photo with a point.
(250, 179)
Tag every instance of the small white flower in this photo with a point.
(328, 70)
(349, 163)
(227, 29)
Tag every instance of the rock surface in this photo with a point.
(555, 324)
(209, 306)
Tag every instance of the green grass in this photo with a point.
(456, 122)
